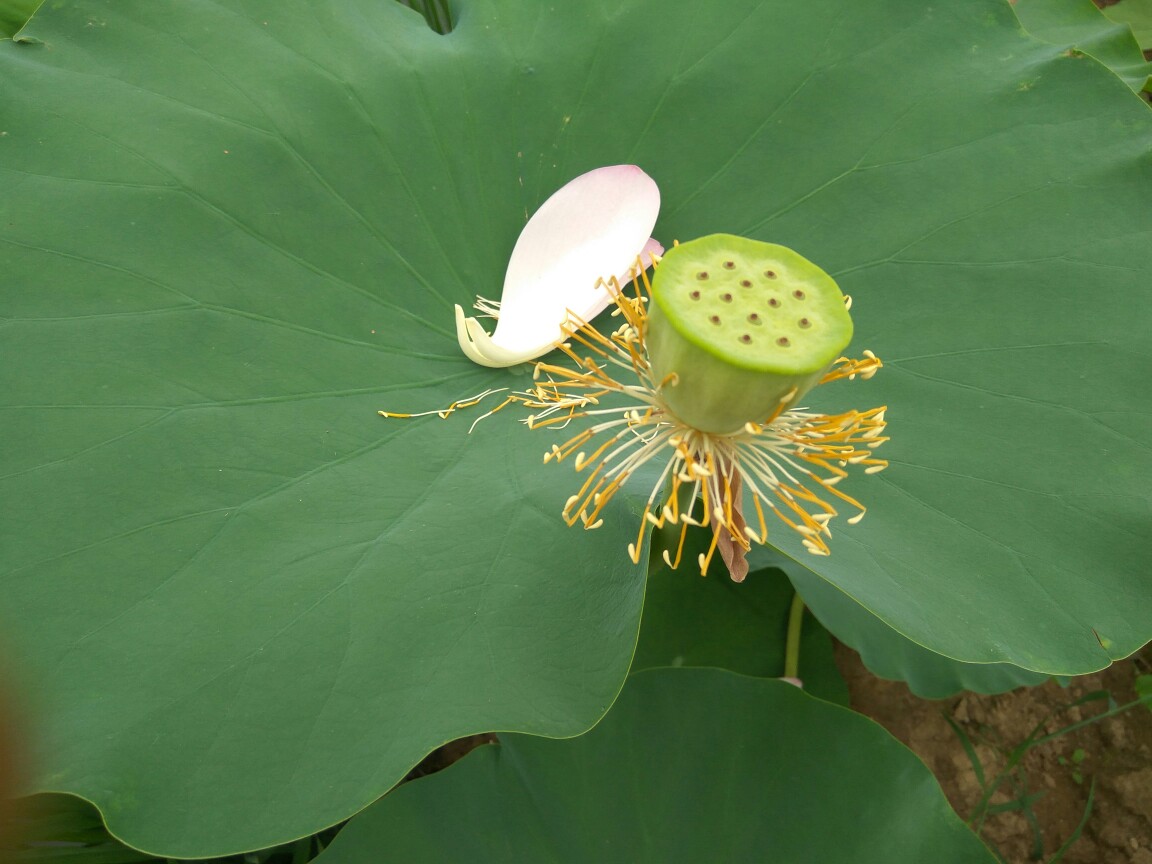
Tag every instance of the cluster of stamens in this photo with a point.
(789, 463)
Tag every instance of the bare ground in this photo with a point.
(1045, 799)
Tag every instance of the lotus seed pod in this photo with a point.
(739, 329)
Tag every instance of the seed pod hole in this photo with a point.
(774, 302)
(783, 341)
(729, 265)
(715, 319)
(702, 275)
(695, 295)
(771, 274)
(746, 339)
(798, 294)
(754, 318)
(745, 283)
(726, 297)
(805, 323)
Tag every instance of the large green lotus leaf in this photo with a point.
(249, 603)
(232, 231)
(689, 765)
(740, 627)
(1080, 25)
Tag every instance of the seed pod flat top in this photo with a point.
(758, 306)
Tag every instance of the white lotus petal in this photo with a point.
(591, 228)
(651, 252)
(478, 346)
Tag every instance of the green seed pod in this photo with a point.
(735, 325)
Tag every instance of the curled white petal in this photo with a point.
(593, 227)
(478, 346)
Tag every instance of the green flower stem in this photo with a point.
(792, 641)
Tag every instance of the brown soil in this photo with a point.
(1113, 756)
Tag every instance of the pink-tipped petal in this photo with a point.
(592, 228)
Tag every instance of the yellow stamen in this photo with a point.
(443, 413)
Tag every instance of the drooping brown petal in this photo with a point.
(734, 552)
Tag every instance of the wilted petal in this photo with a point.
(592, 228)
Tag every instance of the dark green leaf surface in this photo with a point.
(690, 765)
(14, 14)
(61, 829)
(230, 233)
(713, 621)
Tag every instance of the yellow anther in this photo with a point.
(815, 549)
